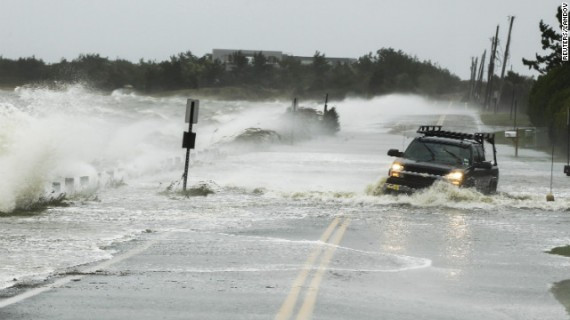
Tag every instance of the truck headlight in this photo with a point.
(396, 169)
(455, 177)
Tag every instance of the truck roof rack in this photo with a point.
(435, 131)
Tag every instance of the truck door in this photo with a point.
(482, 176)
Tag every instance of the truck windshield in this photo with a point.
(439, 153)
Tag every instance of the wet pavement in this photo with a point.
(389, 263)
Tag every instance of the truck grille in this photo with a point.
(412, 181)
(431, 171)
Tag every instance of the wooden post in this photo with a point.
(517, 143)
(491, 71)
(472, 79)
(568, 137)
(69, 185)
(84, 181)
(480, 77)
(550, 196)
(293, 112)
(512, 103)
(516, 132)
(567, 166)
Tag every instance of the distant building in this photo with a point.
(331, 61)
(273, 57)
(225, 55)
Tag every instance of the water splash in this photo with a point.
(440, 195)
(46, 135)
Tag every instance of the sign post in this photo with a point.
(189, 138)
(567, 166)
(517, 132)
(293, 112)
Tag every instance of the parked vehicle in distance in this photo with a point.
(454, 157)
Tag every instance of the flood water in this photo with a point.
(485, 248)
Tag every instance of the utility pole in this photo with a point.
(472, 78)
(480, 77)
(504, 63)
(491, 72)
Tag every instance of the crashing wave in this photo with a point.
(258, 135)
(201, 189)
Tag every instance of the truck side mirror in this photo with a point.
(395, 153)
(567, 170)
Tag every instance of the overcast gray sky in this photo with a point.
(448, 32)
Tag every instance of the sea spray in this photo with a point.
(25, 156)
(47, 135)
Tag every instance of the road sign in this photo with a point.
(189, 140)
(192, 107)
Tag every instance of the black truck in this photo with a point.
(454, 157)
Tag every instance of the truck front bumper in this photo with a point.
(392, 188)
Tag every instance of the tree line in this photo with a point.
(549, 99)
(385, 71)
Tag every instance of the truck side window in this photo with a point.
(478, 154)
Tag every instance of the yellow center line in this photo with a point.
(441, 120)
(306, 310)
(442, 117)
(287, 307)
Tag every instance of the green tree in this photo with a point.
(239, 65)
(93, 69)
(212, 72)
(261, 70)
(384, 72)
(321, 69)
(551, 41)
(549, 97)
(292, 76)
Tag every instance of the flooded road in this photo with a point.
(292, 230)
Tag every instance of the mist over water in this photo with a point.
(48, 135)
